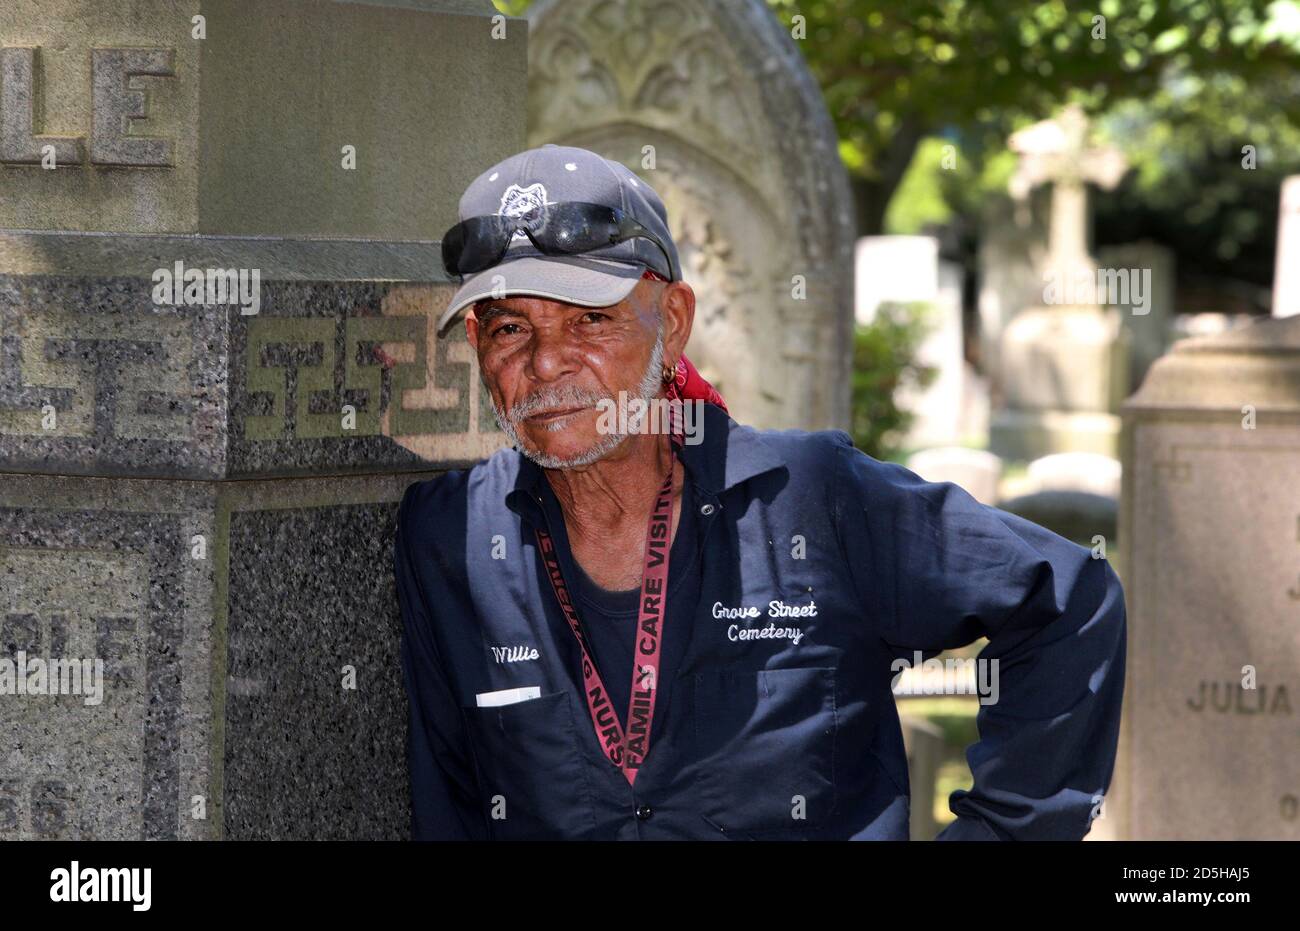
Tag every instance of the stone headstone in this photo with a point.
(1062, 366)
(1081, 516)
(923, 744)
(1088, 472)
(1207, 323)
(153, 129)
(975, 470)
(1143, 279)
(894, 269)
(1057, 151)
(907, 270)
(233, 618)
(1210, 543)
(714, 105)
(1012, 256)
(1055, 359)
(938, 409)
(1286, 278)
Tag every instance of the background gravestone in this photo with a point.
(1148, 324)
(227, 611)
(1063, 362)
(1286, 273)
(1210, 541)
(908, 270)
(713, 104)
(977, 471)
(1012, 259)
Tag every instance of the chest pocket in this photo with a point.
(766, 742)
(532, 775)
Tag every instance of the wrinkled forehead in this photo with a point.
(640, 299)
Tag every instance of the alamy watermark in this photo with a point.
(79, 883)
(1082, 285)
(952, 676)
(25, 675)
(631, 414)
(178, 286)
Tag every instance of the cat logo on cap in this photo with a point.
(517, 201)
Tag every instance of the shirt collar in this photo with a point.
(727, 455)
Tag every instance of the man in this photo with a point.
(615, 632)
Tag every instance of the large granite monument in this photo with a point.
(1210, 534)
(218, 285)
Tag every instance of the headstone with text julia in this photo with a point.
(1210, 545)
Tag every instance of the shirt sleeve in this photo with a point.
(443, 787)
(939, 570)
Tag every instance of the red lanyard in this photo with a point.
(626, 751)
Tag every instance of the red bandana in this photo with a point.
(689, 385)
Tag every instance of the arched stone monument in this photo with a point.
(714, 106)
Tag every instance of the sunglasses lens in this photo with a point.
(453, 243)
(476, 243)
(571, 228)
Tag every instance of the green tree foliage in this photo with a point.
(513, 7)
(884, 359)
(1209, 154)
(896, 71)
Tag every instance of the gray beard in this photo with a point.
(649, 387)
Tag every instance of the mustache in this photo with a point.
(560, 397)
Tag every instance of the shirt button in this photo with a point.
(643, 812)
(706, 509)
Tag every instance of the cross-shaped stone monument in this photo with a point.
(1062, 366)
(1057, 152)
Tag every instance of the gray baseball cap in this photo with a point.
(555, 174)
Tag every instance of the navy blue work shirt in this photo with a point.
(818, 568)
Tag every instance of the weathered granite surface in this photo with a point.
(242, 131)
(138, 388)
(1210, 531)
(315, 710)
(95, 568)
(248, 629)
(224, 676)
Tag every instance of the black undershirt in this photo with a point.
(609, 618)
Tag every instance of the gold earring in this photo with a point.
(668, 373)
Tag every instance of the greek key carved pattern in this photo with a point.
(302, 371)
(103, 376)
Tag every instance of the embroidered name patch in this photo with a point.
(775, 609)
(514, 654)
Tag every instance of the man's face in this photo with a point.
(548, 365)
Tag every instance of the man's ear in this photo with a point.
(678, 305)
(471, 328)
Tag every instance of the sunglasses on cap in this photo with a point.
(568, 228)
